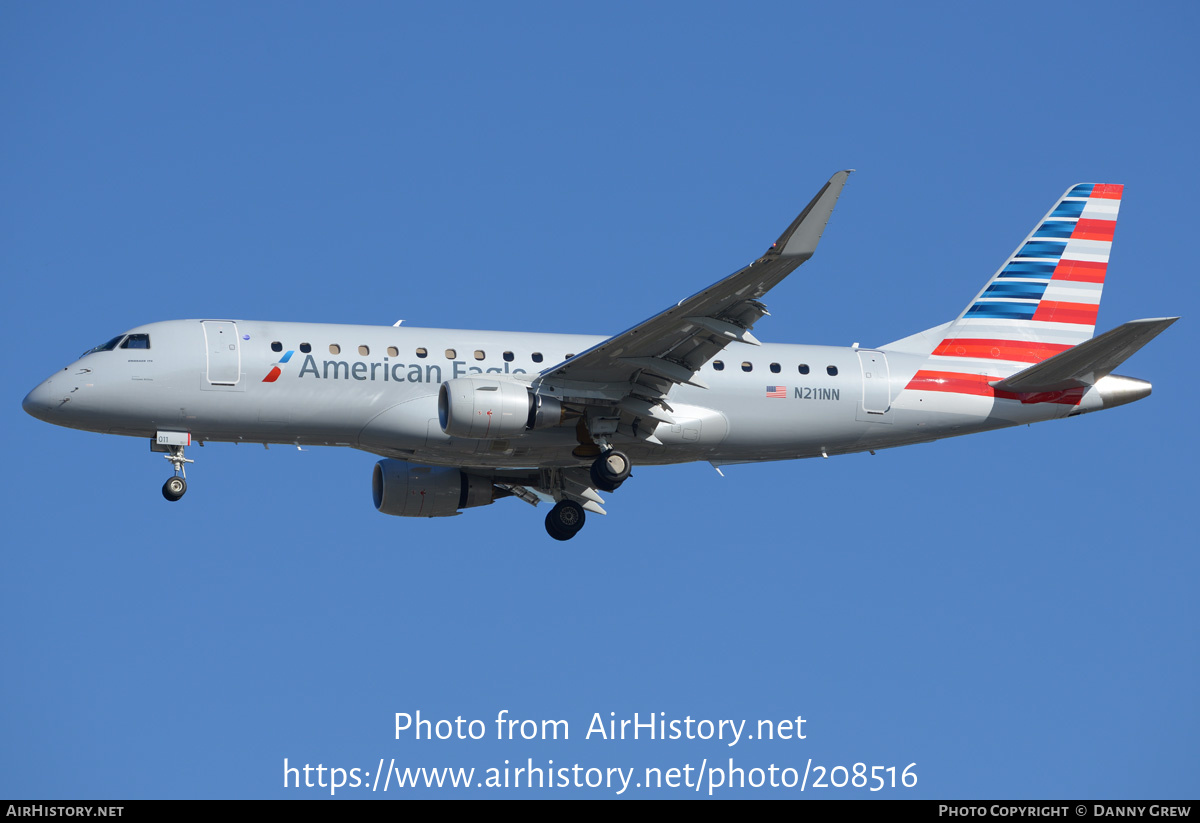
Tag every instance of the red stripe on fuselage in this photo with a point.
(978, 385)
(1024, 351)
(952, 382)
(273, 376)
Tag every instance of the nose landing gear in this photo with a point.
(175, 486)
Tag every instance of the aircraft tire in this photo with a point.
(553, 531)
(610, 470)
(565, 520)
(174, 488)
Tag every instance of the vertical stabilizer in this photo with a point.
(1045, 297)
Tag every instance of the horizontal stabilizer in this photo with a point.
(1086, 363)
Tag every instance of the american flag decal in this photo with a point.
(776, 391)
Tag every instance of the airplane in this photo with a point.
(462, 418)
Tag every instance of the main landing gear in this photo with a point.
(565, 520)
(175, 486)
(608, 472)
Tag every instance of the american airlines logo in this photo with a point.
(277, 369)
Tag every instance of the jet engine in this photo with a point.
(408, 490)
(484, 409)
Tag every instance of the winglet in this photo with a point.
(801, 238)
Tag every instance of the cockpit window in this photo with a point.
(136, 341)
(109, 346)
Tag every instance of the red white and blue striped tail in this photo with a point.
(1045, 297)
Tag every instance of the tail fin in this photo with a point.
(1045, 297)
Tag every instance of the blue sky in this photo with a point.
(1013, 612)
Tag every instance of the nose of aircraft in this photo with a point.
(42, 402)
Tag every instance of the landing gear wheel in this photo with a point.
(610, 470)
(565, 520)
(174, 488)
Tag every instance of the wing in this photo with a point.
(635, 369)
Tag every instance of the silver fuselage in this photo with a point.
(376, 389)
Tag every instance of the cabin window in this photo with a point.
(479, 355)
(536, 357)
(334, 348)
(747, 365)
(136, 341)
(508, 357)
(364, 351)
(276, 346)
(568, 357)
(831, 371)
(422, 352)
(306, 347)
(393, 351)
(804, 368)
(451, 354)
(775, 367)
(718, 365)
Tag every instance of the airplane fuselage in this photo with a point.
(376, 389)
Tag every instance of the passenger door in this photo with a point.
(224, 352)
(876, 387)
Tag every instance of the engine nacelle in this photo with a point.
(408, 490)
(483, 409)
